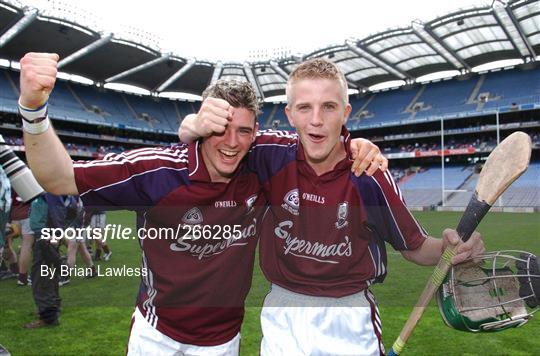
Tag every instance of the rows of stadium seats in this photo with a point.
(382, 107)
(509, 87)
(273, 116)
(8, 96)
(454, 176)
(446, 97)
(501, 89)
(423, 188)
(75, 149)
(76, 102)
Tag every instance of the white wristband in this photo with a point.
(32, 114)
(36, 128)
(35, 121)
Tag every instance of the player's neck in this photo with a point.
(326, 165)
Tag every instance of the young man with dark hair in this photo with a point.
(193, 289)
(179, 309)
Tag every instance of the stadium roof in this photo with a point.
(458, 41)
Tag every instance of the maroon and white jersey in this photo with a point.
(325, 235)
(194, 290)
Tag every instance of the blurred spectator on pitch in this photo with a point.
(74, 219)
(48, 211)
(97, 219)
(21, 222)
(10, 256)
(5, 206)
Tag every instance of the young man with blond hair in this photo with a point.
(323, 240)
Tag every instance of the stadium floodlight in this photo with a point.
(177, 75)
(28, 18)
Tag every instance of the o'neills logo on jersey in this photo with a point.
(342, 213)
(225, 204)
(193, 216)
(313, 197)
(292, 202)
(312, 250)
(201, 248)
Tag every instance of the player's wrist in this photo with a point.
(35, 121)
(196, 128)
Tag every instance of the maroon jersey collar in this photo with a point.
(196, 166)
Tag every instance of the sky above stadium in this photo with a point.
(239, 30)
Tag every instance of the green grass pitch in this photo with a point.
(96, 313)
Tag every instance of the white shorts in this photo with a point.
(98, 221)
(25, 226)
(145, 340)
(297, 324)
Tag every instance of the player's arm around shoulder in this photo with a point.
(367, 157)
(48, 159)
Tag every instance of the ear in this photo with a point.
(255, 129)
(289, 116)
(348, 110)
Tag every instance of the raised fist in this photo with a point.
(213, 117)
(38, 75)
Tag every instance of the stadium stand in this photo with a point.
(510, 88)
(403, 121)
(388, 106)
(458, 97)
(75, 101)
(273, 116)
(108, 104)
(444, 97)
(160, 114)
(8, 96)
(424, 187)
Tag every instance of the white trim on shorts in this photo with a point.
(146, 340)
(298, 324)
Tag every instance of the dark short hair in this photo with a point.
(237, 93)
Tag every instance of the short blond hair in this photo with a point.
(316, 68)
